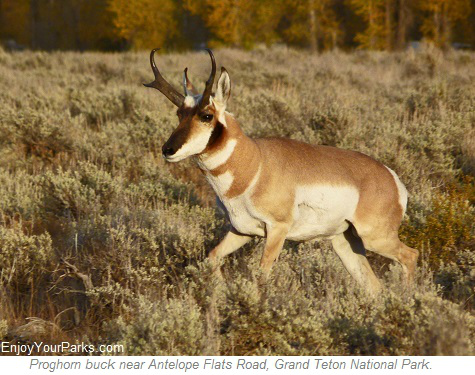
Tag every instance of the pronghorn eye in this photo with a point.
(206, 117)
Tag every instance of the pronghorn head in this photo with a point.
(201, 116)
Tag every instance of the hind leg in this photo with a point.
(390, 246)
(352, 253)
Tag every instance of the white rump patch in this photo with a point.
(402, 191)
(220, 157)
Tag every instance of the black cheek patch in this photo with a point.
(215, 134)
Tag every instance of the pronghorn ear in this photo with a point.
(224, 88)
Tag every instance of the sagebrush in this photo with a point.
(102, 242)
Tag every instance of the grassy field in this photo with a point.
(102, 242)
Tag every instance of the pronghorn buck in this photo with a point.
(284, 189)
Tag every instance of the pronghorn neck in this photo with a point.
(224, 147)
(231, 161)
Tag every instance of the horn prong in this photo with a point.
(162, 85)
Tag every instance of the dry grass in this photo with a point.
(101, 242)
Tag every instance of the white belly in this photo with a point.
(322, 211)
(319, 212)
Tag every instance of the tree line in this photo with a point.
(183, 24)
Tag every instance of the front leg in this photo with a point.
(230, 243)
(276, 234)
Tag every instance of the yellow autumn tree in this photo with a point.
(373, 13)
(403, 20)
(238, 23)
(387, 23)
(439, 17)
(310, 23)
(144, 24)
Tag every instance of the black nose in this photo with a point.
(167, 150)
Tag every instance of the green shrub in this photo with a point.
(173, 327)
(3, 329)
(24, 258)
(265, 321)
(425, 324)
(448, 228)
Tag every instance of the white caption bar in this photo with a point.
(236, 365)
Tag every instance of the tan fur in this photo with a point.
(378, 213)
(316, 164)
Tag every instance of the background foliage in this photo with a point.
(183, 24)
(102, 242)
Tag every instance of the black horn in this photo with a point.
(209, 83)
(162, 85)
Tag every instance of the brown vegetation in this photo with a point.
(102, 242)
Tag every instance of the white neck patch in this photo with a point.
(220, 157)
(220, 183)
